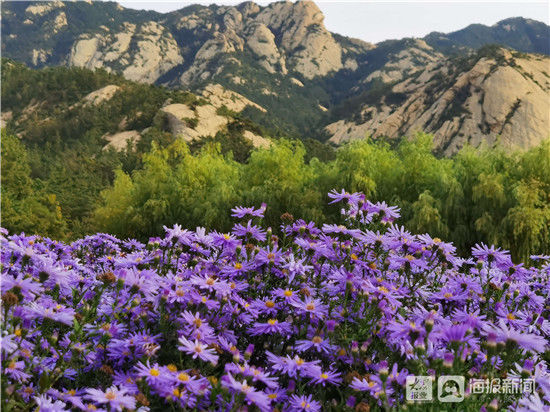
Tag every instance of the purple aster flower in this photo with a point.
(473, 319)
(387, 213)
(269, 256)
(528, 341)
(8, 343)
(323, 377)
(47, 308)
(153, 374)
(492, 254)
(15, 369)
(178, 234)
(198, 350)
(117, 398)
(252, 396)
(289, 366)
(343, 195)
(46, 404)
(270, 327)
(253, 231)
(312, 306)
(454, 333)
(317, 342)
(373, 385)
(29, 288)
(237, 268)
(303, 403)
(531, 402)
(241, 212)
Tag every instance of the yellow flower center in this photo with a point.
(210, 281)
(448, 295)
(410, 258)
(324, 376)
(154, 372)
(317, 339)
(110, 395)
(310, 306)
(354, 256)
(269, 304)
(172, 368)
(288, 293)
(272, 321)
(183, 377)
(511, 316)
(180, 292)
(238, 266)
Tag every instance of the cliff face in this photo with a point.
(500, 98)
(282, 36)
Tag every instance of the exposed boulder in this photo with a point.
(43, 8)
(101, 95)
(262, 43)
(119, 141)
(218, 96)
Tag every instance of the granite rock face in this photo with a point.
(503, 99)
(142, 52)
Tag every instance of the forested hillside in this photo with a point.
(75, 182)
(282, 57)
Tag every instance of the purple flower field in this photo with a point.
(331, 318)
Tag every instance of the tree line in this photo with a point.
(479, 195)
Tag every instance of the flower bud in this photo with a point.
(248, 351)
(448, 359)
(350, 403)
(493, 406)
(383, 371)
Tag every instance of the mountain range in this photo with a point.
(479, 85)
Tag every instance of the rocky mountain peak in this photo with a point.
(282, 57)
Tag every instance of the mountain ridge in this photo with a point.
(279, 56)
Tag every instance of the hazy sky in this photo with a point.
(375, 21)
